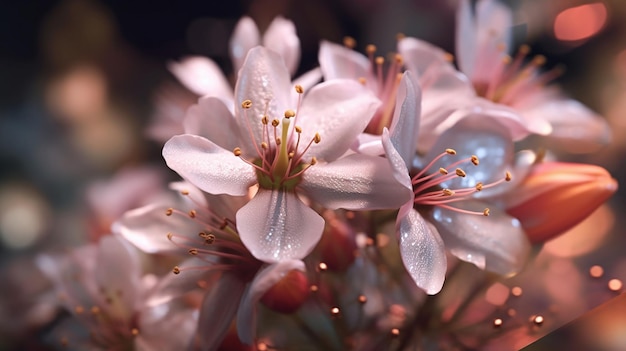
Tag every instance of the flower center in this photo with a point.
(516, 78)
(428, 188)
(280, 159)
(385, 85)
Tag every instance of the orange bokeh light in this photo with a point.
(580, 22)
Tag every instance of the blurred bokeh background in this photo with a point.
(79, 82)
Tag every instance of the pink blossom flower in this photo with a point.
(201, 226)
(298, 155)
(490, 77)
(445, 210)
(102, 285)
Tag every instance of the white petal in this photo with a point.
(420, 57)
(496, 243)
(406, 118)
(265, 81)
(423, 252)
(245, 37)
(202, 76)
(281, 37)
(165, 327)
(466, 38)
(337, 61)
(275, 225)
(398, 166)
(195, 197)
(493, 31)
(308, 79)
(218, 310)
(355, 182)
(338, 110)
(264, 280)
(368, 144)
(147, 228)
(211, 119)
(208, 166)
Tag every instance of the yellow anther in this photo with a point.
(349, 42)
(246, 104)
(169, 236)
(447, 192)
(264, 145)
(237, 151)
(275, 123)
(400, 36)
(299, 89)
(193, 252)
(265, 120)
(192, 213)
(79, 309)
(479, 186)
(289, 113)
(313, 160)
(379, 60)
(508, 176)
(370, 49)
(278, 141)
(448, 57)
(459, 172)
(95, 309)
(290, 154)
(451, 151)
(362, 80)
(184, 192)
(169, 211)
(209, 239)
(298, 129)
(539, 60)
(134, 331)
(475, 160)
(524, 49)
(398, 58)
(486, 212)
(501, 47)
(443, 171)
(317, 138)
(176, 270)
(507, 59)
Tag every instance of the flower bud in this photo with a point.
(288, 294)
(556, 196)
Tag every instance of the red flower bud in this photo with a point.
(288, 294)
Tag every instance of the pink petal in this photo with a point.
(210, 118)
(217, 311)
(493, 33)
(406, 118)
(172, 285)
(265, 81)
(165, 327)
(337, 61)
(245, 37)
(308, 79)
(423, 252)
(147, 228)
(208, 166)
(466, 38)
(338, 110)
(202, 76)
(420, 56)
(118, 274)
(195, 197)
(398, 165)
(368, 144)
(275, 225)
(263, 281)
(355, 182)
(496, 243)
(281, 37)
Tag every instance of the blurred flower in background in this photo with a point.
(90, 92)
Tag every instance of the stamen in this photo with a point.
(349, 42)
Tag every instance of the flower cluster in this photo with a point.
(330, 210)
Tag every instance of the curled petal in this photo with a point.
(245, 36)
(338, 110)
(423, 252)
(209, 119)
(263, 281)
(281, 37)
(355, 182)
(275, 225)
(217, 312)
(556, 196)
(202, 76)
(406, 118)
(496, 243)
(398, 166)
(208, 166)
(265, 81)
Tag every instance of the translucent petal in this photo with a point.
(245, 36)
(275, 225)
(420, 56)
(398, 166)
(204, 118)
(466, 38)
(406, 118)
(496, 242)
(208, 166)
(263, 281)
(337, 61)
(422, 251)
(281, 37)
(202, 76)
(338, 110)
(355, 182)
